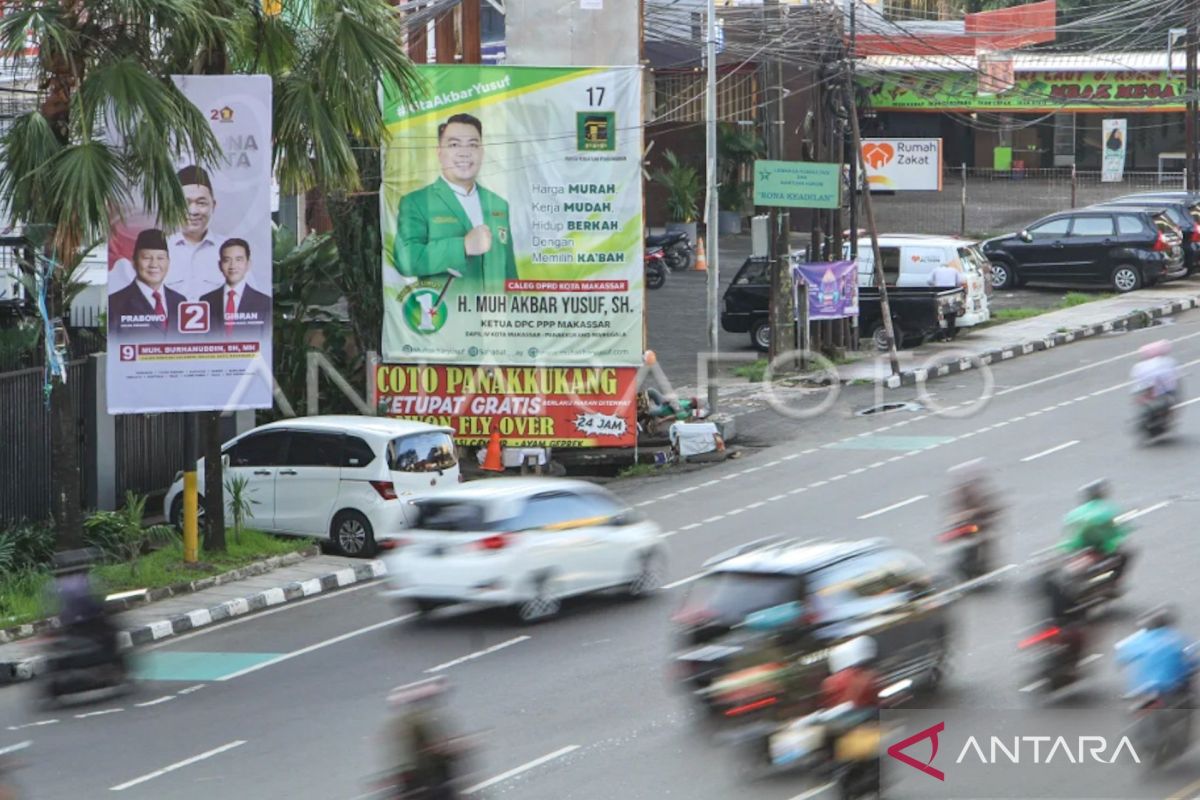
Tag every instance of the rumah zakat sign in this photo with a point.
(527, 406)
(903, 165)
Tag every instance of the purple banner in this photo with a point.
(832, 288)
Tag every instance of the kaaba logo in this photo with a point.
(597, 130)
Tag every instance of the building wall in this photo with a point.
(557, 33)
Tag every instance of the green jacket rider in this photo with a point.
(1094, 524)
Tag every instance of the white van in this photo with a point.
(910, 259)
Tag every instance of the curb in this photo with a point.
(28, 667)
(957, 364)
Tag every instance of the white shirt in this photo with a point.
(946, 277)
(469, 200)
(148, 293)
(194, 268)
(238, 290)
(1159, 374)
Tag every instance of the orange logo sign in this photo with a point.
(878, 154)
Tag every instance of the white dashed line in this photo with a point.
(177, 765)
(99, 713)
(709, 483)
(791, 457)
(837, 478)
(477, 654)
(798, 490)
(894, 506)
(690, 527)
(1055, 449)
(1143, 512)
(734, 512)
(858, 471)
(512, 773)
(683, 581)
(775, 497)
(816, 791)
(37, 724)
(688, 489)
(162, 699)
(759, 504)
(714, 518)
(878, 464)
(819, 484)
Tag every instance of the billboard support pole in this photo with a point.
(711, 217)
(190, 494)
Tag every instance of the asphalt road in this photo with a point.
(289, 703)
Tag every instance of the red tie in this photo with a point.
(230, 310)
(160, 310)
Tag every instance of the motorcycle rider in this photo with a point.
(1093, 527)
(1066, 613)
(81, 609)
(426, 753)
(1159, 659)
(850, 698)
(973, 502)
(1156, 376)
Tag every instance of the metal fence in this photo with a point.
(984, 202)
(149, 452)
(25, 462)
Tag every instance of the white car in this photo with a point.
(910, 258)
(344, 478)
(522, 542)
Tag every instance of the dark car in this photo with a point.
(845, 589)
(1124, 249)
(1181, 213)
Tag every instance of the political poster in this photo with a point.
(512, 217)
(832, 288)
(528, 406)
(1115, 134)
(189, 308)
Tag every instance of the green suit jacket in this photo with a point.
(431, 226)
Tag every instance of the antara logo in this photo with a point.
(896, 751)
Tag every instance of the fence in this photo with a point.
(149, 451)
(985, 202)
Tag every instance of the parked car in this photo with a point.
(1088, 247)
(917, 312)
(1180, 213)
(344, 478)
(844, 588)
(528, 543)
(910, 258)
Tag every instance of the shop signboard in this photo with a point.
(903, 165)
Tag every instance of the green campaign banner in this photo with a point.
(797, 184)
(1034, 91)
(512, 217)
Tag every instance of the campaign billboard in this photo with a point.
(189, 309)
(512, 217)
(527, 406)
(903, 165)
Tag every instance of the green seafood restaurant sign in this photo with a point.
(797, 184)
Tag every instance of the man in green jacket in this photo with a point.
(454, 223)
(1094, 525)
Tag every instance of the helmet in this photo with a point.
(1096, 490)
(429, 689)
(853, 653)
(1161, 617)
(1157, 349)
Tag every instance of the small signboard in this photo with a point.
(797, 184)
(903, 165)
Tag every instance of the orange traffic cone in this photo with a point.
(493, 462)
(701, 259)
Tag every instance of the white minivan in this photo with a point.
(910, 259)
(345, 478)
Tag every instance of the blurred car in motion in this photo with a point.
(342, 477)
(528, 543)
(845, 588)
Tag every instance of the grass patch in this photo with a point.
(638, 471)
(22, 593)
(1014, 314)
(1070, 300)
(753, 371)
(1073, 299)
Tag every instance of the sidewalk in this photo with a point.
(161, 619)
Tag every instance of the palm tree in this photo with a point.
(107, 63)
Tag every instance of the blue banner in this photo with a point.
(832, 288)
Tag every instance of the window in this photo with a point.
(1092, 226)
(258, 450)
(314, 450)
(421, 452)
(891, 264)
(452, 516)
(754, 273)
(733, 595)
(555, 508)
(356, 452)
(1052, 229)
(970, 260)
(605, 505)
(1127, 224)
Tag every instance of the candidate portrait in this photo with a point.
(236, 304)
(146, 304)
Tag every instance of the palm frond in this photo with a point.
(45, 24)
(27, 149)
(310, 147)
(85, 178)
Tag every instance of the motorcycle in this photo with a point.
(8, 765)
(970, 550)
(656, 268)
(1055, 651)
(1162, 727)
(78, 661)
(1154, 417)
(677, 249)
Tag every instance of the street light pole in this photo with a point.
(711, 222)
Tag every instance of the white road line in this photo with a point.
(1089, 659)
(177, 765)
(683, 581)
(815, 791)
(837, 478)
(858, 471)
(775, 497)
(818, 484)
(99, 713)
(714, 518)
(477, 654)
(894, 506)
(798, 490)
(667, 534)
(162, 699)
(191, 689)
(512, 773)
(1033, 687)
(759, 504)
(1187, 402)
(690, 526)
(791, 457)
(643, 504)
(1141, 512)
(667, 496)
(37, 724)
(734, 512)
(808, 451)
(878, 464)
(1055, 449)
(319, 645)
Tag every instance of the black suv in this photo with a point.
(1122, 248)
(845, 589)
(1183, 215)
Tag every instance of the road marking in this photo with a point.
(790, 457)
(1089, 659)
(477, 654)
(759, 504)
(162, 699)
(37, 724)
(514, 772)
(714, 518)
(734, 512)
(798, 490)
(312, 647)
(1141, 512)
(1187, 402)
(837, 478)
(667, 534)
(858, 471)
(683, 581)
(690, 526)
(819, 484)
(191, 689)
(1186, 792)
(815, 791)
(177, 765)
(894, 506)
(775, 497)
(643, 504)
(1062, 446)
(98, 713)
(1033, 687)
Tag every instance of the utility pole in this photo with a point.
(1193, 162)
(710, 192)
(781, 318)
(852, 110)
(884, 307)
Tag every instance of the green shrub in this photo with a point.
(25, 546)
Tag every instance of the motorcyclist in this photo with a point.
(81, 610)
(426, 755)
(1066, 612)
(1093, 527)
(850, 699)
(1156, 376)
(973, 502)
(1158, 658)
